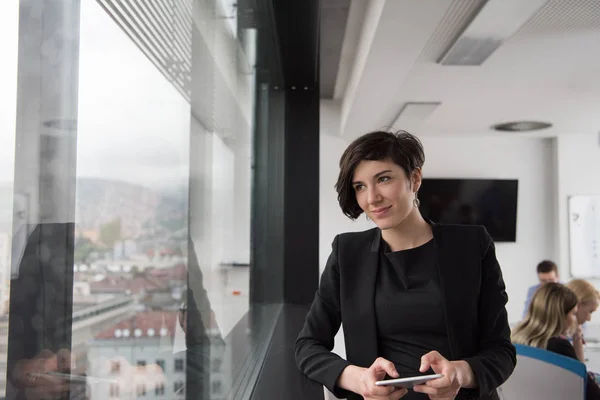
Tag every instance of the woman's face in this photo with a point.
(571, 320)
(384, 192)
(585, 311)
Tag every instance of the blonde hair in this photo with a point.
(585, 291)
(546, 315)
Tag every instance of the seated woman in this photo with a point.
(550, 318)
(588, 298)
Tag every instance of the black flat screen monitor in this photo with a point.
(488, 202)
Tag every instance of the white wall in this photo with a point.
(578, 157)
(332, 220)
(530, 160)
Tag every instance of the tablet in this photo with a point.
(408, 382)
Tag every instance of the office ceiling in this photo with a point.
(332, 27)
(549, 70)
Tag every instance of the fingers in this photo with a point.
(65, 361)
(385, 365)
(393, 394)
(439, 383)
(430, 359)
(436, 393)
(380, 391)
(398, 393)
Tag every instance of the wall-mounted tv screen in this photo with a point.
(488, 202)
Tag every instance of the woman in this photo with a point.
(551, 317)
(587, 297)
(413, 297)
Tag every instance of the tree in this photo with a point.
(110, 232)
(82, 251)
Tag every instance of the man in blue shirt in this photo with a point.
(547, 271)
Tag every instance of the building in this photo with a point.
(5, 250)
(3, 353)
(145, 339)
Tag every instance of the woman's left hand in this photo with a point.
(447, 386)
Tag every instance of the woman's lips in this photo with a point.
(380, 212)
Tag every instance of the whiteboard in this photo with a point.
(584, 235)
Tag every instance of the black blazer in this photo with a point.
(474, 300)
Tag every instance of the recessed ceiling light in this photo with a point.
(521, 126)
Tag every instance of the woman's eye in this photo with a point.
(384, 178)
(358, 187)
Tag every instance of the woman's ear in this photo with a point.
(416, 179)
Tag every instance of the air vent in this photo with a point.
(497, 21)
(564, 16)
(413, 114)
(471, 51)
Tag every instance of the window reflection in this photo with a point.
(159, 247)
(131, 233)
(8, 72)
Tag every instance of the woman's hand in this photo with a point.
(130, 378)
(457, 374)
(33, 375)
(362, 381)
(578, 343)
(578, 335)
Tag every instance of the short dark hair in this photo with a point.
(547, 266)
(401, 147)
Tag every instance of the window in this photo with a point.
(130, 166)
(159, 390)
(217, 387)
(216, 364)
(114, 390)
(178, 388)
(115, 367)
(141, 389)
(179, 367)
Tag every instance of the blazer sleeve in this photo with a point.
(316, 339)
(497, 357)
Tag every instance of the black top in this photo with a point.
(564, 347)
(409, 309)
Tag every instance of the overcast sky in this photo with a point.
(133, 124)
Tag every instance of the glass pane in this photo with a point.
(9, 19)
(134, 245)
(131, 233)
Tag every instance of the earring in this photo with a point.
(367, 217)
(416, 201)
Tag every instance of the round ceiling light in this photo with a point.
(521, 126)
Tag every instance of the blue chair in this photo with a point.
(541, 374)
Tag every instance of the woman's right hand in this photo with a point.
(362, 381)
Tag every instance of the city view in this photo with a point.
(137, 236)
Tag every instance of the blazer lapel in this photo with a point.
(363, 320)
(454, 292)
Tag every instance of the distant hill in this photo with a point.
(6, 209)
(140, 209)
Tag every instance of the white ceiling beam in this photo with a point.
(393, 35)
(356, 16)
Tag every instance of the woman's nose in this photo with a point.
(373, 195)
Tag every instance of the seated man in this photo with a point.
(547, 271)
